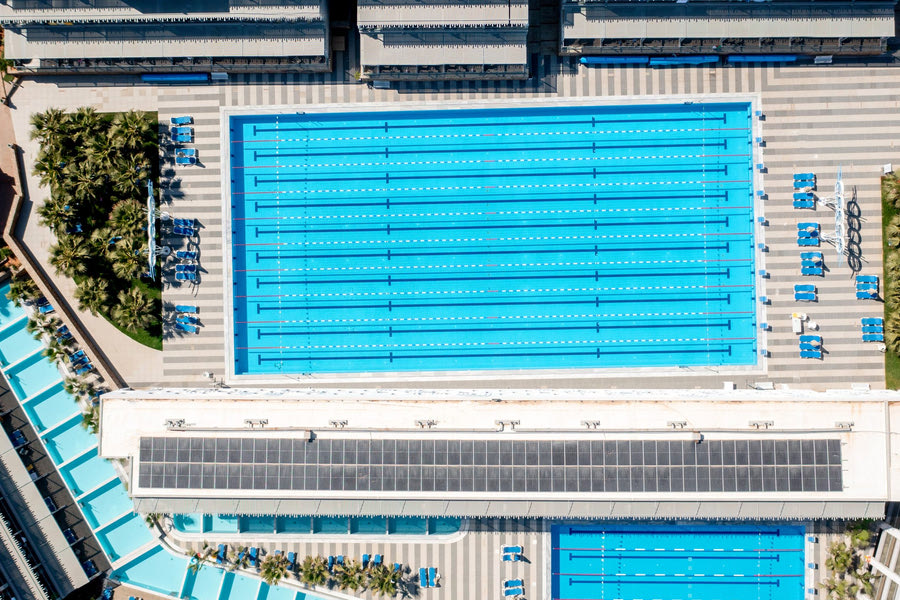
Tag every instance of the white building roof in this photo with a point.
(312, 11)
(378, 14)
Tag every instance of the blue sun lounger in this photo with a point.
(254, 557)
(339, 560)
(365, 560)
(220, 555)
(872, 328)
(866, 294)
(872, 321)
(187, 308)
(866, 279)
(513, 583)
(432, 577)
(185, 120)
(330, 563)
(185, 327)
(183, 231)
(812, 271)
(186, 254)
(423, 577)
(803, 196)
(76, 355)
(182, 130)
(810, 354)
(46, 309)
(183, 138)
(85, 370)
(188, 268)
(183, 276)
(808, 241)
(815, 257)
(187, 319)
(804, 203)
(187, 152)
(185, 160)
(873, 337)
(513, 591)
(804, 176)
(804, 297)
(377, 560)
(805, 287)
(191, 223)
(292, 560)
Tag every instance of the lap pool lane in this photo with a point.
(669, 561)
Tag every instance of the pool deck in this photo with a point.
(810, 125)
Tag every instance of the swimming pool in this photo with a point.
(506, 238)
(668, 561)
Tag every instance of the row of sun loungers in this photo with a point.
(866, 287)
(807, 234)
(811, 263)
(511, 553)
(80, 363)
(873, 329)
(185, 321)
(428, 577)
(376, 560)
(805, 293)
(513, 588)
(805, 183)
(186, 156)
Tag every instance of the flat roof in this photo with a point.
(447, 14)
(672, 417)
(128, 14)
(460, 47)
(638, 21)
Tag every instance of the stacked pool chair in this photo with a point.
(873, 329)
(866, 287)
(811, 346)
(804, 184)
(805, 293)
(807, 234)
(811, 263)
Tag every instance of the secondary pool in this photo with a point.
(513, 238)
(32, 374)
(106, 503)
(68, 440)
(677, 561)
(231, 524)
(50, 407)
(16, 341)
(124, 535)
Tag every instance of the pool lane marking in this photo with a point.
(481, 161)
(502, 343)
(642, 288)
(527, 238)
(449, 136)
(456, 188)
(499, 212)
(505, 317)
(492, 266)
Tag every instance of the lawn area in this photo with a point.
(890, 194)
(97, 167)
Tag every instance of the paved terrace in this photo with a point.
(816, 119)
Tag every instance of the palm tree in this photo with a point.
(69, 256)
(839, 558)
(85, 124)
(239, 557)
(102, 152)
(314, 571)
(49, 167)
(92, 294)
(273, 568)
(90, 419)
(21, 291)
(84, 178)
(128, 259)
(127, 218)
(55, 212)
(890, 189)
(892, 334)
(54, 351)
(383, 580)
(132, 130)
(130, 175)
(132, 313)
(860, 535)
(49, 126)
(77, 386)
(351, 575)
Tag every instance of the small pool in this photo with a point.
(16, 342)
(124, 535)
(105, 504)
(32, 375)
(677, 561)
(8, 310)
(156, 570)
(204, 584)
(87, 472)
(50, 407)
(267, 592)
(68, 440)
(199, 523)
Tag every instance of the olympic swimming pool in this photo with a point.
(495, 238)
(669, 561)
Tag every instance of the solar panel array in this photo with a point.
(416, 465)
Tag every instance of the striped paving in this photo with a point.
(816, 120)
(469, 563)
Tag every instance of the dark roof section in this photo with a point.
(435, 467)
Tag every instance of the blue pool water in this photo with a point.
(68, 440)
(15, 341)
(677, 561)
(93, 481)
(50, 407)
(556, 237)
(105, 504)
